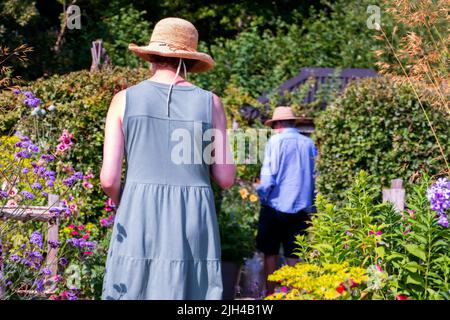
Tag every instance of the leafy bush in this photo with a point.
(379, 127)
(237, 215)
(405, 254)
(259, 61)
(79, 101)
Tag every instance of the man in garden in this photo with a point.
(286, 190)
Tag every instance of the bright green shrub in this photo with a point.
(379, 127)
(405, 253)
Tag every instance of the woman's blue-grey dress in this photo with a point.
(165, 242)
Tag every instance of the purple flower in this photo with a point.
(49, 183)
(74, 242)
(28, 94)
(78, 175)
(55, 211)
(439, 195)
(34, 164)
(53, 244)
(14, 258)
(27, 195)
(35, 255)
(39, 283)
(63, 261)
(37, 186)
(46, 271)
(33, 148)
(16, 91)
(26, 262)
(443, 220)
(36, 238)
(69, 181)
(48, 157)
(25, 170)
(45, 194)
(3, 194)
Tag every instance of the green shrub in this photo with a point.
(379, 127)
(81, 101)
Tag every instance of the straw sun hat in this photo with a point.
(282, 113)
(178, 38)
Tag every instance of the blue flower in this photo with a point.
(46, 271)
(36, 238)
(27, 195)
(37, 186)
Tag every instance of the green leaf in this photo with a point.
(380, 252)
(416, 251)
(415, 279)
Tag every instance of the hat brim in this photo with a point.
(203, 63)
(270, 122)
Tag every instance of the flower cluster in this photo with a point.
(80, 239)
(439, 196)
(65, 141)
(31, 100)
(65, 295)
(108, 221)
(246, 194)
(308, 281)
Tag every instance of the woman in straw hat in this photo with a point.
(165, 242)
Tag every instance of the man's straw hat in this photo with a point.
(178, 38)
(281, 113)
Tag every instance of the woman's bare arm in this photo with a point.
(110, 176)
(223, 170)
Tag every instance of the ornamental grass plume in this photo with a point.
(416, 52)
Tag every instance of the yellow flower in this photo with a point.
(244, 193)
(253, 198)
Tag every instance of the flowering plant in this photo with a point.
(310, 282)
(406, 254)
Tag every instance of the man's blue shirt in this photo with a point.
(287, 174)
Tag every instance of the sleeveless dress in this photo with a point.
(165, 241)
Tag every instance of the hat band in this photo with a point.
(173, 46)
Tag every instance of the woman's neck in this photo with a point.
(166, 75)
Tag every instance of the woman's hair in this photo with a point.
(171, 61)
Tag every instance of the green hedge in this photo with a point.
(378, 126)
(81, 100)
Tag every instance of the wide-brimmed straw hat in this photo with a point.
(178, 38)
(282, 113)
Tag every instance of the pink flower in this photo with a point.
(87, 253)
(80, 227)
(13, 191)
(85, 237)
(370, 233)
(284, 289)
(353, 284)
(378, 233)
(89, 175)
(87, 185)
(62, 147)
(110, 203)
(71, 226)
(11, 203)
(73, 207)
(401, 297)
(74, 233)
(378, 268)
